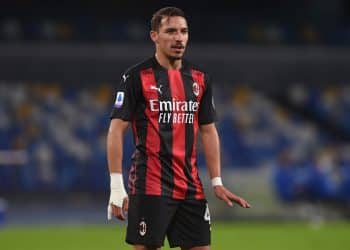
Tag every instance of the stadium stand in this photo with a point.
(56, 134)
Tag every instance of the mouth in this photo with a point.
(178, 48)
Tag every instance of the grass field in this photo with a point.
(244, 236)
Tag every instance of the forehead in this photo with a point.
(173, 22)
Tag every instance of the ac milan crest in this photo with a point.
(142, 228)
(195, 88)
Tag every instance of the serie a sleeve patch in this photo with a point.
(119, 100)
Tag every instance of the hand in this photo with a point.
(118, 205)
(117, 211)
(224, 194)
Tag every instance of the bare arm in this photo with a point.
(118, 202)
(211, 148)
(115, 137)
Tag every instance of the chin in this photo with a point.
(175, 57)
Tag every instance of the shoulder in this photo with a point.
(137, 68)
(198, 71)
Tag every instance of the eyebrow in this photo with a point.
(173, 29)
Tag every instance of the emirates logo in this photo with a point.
(142, 228)
(195, 88)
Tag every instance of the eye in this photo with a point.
(184, 31)
(170, 31)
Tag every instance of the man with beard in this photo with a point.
(167, 101)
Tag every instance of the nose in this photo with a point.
(178, 36)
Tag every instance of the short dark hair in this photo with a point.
(164, 12)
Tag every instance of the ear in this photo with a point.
(154, 36)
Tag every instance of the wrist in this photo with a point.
(216, 181)
(116, 181)
(118, 192)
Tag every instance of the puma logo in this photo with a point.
(158, 89)
(125, 77)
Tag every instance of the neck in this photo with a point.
(168, 63)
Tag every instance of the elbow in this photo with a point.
(208, 129)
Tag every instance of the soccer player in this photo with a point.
(168, 101)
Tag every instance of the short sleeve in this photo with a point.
(126, 97)
(207, 113)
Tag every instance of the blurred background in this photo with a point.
(282, 92)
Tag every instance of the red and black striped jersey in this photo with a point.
(165, 107)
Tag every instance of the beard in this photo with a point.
(174, 58)
(171, 55)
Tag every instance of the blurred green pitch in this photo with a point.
(245, 236)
